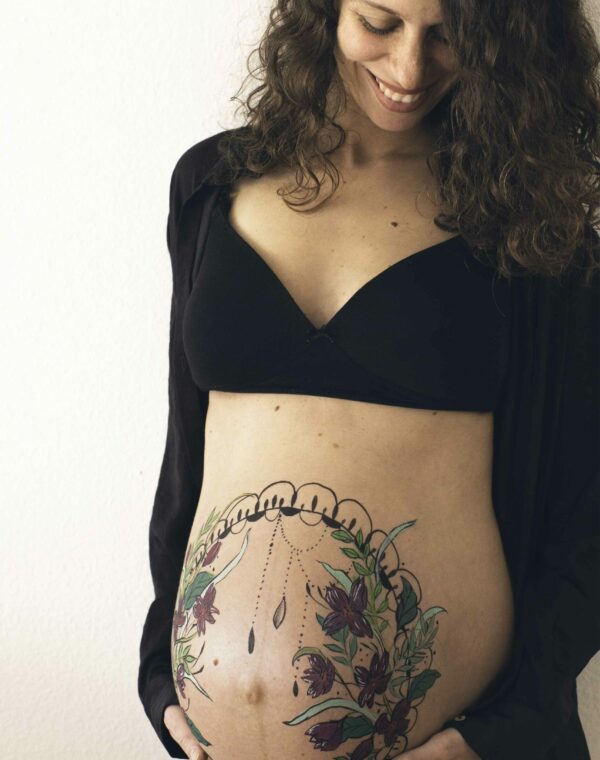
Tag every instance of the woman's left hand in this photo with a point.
(446, 745)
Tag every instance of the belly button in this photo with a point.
(253, 694)
(216, 661)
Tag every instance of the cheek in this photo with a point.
(353, 44)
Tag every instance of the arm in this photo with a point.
(176, 495)
(560, 616)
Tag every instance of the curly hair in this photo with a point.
(516, 139)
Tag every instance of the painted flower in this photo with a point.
(211, 554)
(181, 679)
(374, 680)
(203, 608)
(393, 727)
(363, 750)
(178, 618)
(326, 736)
(319, 675)
(347, 609)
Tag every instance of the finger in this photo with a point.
(177, 725)
(423, 752)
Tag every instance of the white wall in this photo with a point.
(98, 101)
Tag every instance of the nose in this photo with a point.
(410, 61)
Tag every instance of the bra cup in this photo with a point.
(430, 332)
(439, 331)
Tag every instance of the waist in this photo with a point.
(379, 447)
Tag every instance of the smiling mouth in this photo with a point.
(397, 91)
(394, 95)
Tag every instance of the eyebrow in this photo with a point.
(386, 9)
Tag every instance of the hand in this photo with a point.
(174, 720)
(445, 745)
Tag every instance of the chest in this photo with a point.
(326, 252)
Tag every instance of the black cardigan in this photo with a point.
(545, 488)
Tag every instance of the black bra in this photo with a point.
(429, 331)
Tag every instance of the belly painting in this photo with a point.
(309, 623)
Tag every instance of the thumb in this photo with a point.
(177, 725)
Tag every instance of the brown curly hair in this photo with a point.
(516, 151)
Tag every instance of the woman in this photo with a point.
(380, 537)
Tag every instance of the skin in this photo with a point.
(365, 580)
(412, 56)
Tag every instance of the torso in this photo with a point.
(400, 464)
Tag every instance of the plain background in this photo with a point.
(99, 99)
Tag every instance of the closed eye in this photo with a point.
(388, 30)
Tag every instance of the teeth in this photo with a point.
(396, 96)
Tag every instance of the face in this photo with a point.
(404, 47)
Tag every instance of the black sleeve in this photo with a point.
(176, 495)
(561, 610)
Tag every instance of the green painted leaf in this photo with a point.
(356, 726)
(406, 610)
(359, 538)
(424, 623)
(341, 660)
(335, 648)
(197, 735)
(350, 552)
(342, 535)
(360, 569)
(411, 642)
(329, 704)
(421, 684)
(353, 647)
(230, 565)
(389, 538)
(197, 588)
(340, 576)
(345, 631)
(320, 619)
(383, 606)
(377, 589)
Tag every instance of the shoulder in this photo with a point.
(193, 166)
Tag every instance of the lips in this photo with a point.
(398, 89)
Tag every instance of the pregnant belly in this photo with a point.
(304, 623)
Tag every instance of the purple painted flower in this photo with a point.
(363, 750)
(347, 609)
(392, 727)
(320, 675)
(180, 678)
(374, 680)
(203, 608)
(326, 736)
(211, 554)
(178, 618)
